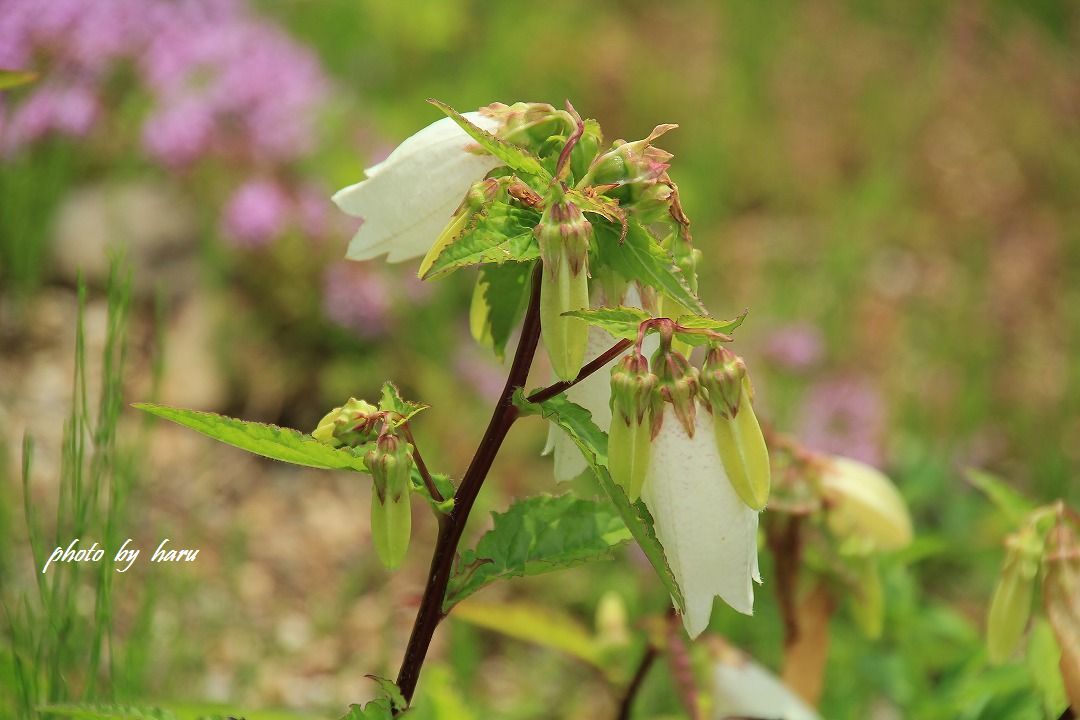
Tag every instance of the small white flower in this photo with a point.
(709, 535)
(407, 199)
(743, 688)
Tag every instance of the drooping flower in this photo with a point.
(708, 533)
(407, 199)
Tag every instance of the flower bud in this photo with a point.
(863, 506)
(738, 434)
(637, 162)
(630, 436)
(1061, 599)
(564, 235)
(390, 463)
(1010, 607)
(678, 384)
(529, 124)
(352, 424)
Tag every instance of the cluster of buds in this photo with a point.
(564, 235)
(351, 425)
(390, 463)
(356, 424)
(635, 173)
(641, 390)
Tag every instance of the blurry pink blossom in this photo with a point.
(69, 110)
(844, 416)
(258, 212)
(356, 298)
(794, 347)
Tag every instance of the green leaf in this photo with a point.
(577, 423)
(276, 443)
(14, 78)
(499, 232)
(516, 158)
(640, 257)
(374, 710)
(700, 322)
(537, 535)
(391, 400)
(620, 322)
(543, 626)
(499, 300)
(391, 692)
(1014, 506)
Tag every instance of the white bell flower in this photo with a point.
(406, 200)
(708, 533)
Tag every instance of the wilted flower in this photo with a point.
(407, 199)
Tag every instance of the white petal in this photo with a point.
(408, 198)
(743, 688)
(709, 535)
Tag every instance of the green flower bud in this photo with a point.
(630, 437)
(678, 384)
(863, 507)
(529, 124)
(628, 163)
(564, 236)
(1061, 599)
(735, 426)
(1010, 607)
(390, 463)
(352, 424)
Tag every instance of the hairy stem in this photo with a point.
(442, 561)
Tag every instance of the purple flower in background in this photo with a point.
(179, 134)
(258, 212)
(794, 347)
(69, 110)
(844, 416)
(356, 298)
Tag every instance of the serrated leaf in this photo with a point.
(1014, 506)
(276, 443)
(536, 624)
(577, 423)
(374, 710)
(640, 257)
(620, 322)
(700, 322)
(391, 692)
(14, 78)
(390, 400)
(536, 535)
(516, 158)
(498, 233)
(598, 205)
(498, 303)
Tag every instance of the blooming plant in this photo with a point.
(583, 245)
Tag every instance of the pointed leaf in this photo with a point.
(1014, 506)
(516, 158)
(276, 443)
(14, 78)
(443, 484)
(498, 233)
(620, 322)
(391, 692)
(391, 400)
(701, 322)
(374, 710)
(640, 257)
(577, 423)
(537, 535)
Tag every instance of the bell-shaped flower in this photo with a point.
(708, 533)
(407, 199)
(390, 463)
(863, 507)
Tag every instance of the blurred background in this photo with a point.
(890, 188)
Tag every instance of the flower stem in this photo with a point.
(442, 561)
(588, 369)
(647, 660)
